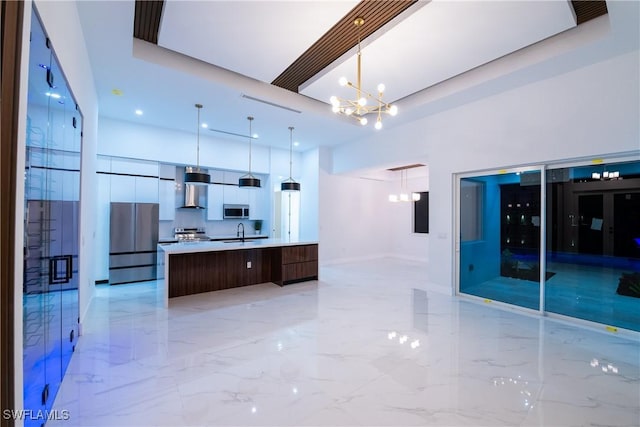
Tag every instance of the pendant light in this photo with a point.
(404, 194)
(248, 180)
(194, 175)
(289, 184)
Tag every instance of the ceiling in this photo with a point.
(226, 55)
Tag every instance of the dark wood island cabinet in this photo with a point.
(299, 263)
(218, 266)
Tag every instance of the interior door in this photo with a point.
(591, 224)
(609, 224)
(626, 225)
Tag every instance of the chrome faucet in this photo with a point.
(238, 231)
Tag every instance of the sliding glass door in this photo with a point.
(593, 247)
(568, 244)
(500, 237)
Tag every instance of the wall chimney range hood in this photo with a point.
(194, 195)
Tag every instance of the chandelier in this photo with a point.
(360, 107)
(404, 195)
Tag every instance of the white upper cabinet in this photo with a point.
(258, 206)
(167, 171)
(132, 180)
(167, 200)
(217, 176)
(123, 188)
(134, 167)
(215, 195)
(215, 201)
(146, 189)
(233, 194)
(103, 164)
(167, 192)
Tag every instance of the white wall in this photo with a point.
(580, 103)
(128, 139)
(309, 190)
(353, 216)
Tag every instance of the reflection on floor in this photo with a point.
(585, 292)
(371, 343)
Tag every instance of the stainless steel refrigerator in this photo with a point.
(133, 242)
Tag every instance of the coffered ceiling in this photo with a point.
(280, 61)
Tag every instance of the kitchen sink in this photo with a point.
(246, 242)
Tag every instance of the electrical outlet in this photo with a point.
(248, 264)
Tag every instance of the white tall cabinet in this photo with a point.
(167, 192)
(215, 196)
(121, 180)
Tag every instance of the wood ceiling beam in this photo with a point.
(146, 20)
(340, 38)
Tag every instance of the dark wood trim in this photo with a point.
(146, 20)
(11, 17)
(131, 174)
(587, 10)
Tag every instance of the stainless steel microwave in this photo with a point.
(235, 211)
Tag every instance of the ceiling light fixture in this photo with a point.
(194, 175)
(358, 108)
(289, 184)
(248, 180)
(404, 194)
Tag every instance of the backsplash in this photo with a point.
(191, 218)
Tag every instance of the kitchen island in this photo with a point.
(196, 267)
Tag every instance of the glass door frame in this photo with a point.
(457, 179)
(542, 168)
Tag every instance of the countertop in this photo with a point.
(187, 247)
(234, 236)
(220, 237)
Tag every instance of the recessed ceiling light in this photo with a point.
(296, 143)
(139, 112)
(204, 125)
(53, 95)
(116, 92)
(255, 136)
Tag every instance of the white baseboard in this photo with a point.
(336, 261)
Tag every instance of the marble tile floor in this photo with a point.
(370, 344)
